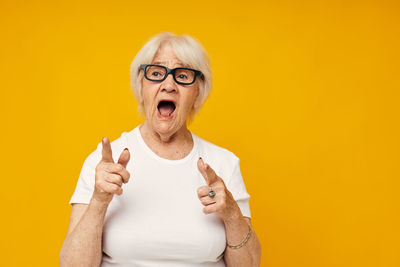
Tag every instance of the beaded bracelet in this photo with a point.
(243, 242)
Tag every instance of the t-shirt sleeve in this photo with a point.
(85, 185)
(237, 188)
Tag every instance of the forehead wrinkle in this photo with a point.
(164, 63)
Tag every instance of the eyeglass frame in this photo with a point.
(170, 71)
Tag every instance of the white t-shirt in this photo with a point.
(159, 219)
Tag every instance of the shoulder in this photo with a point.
(211, 151)
(117, 146)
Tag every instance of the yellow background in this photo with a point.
(306, 93)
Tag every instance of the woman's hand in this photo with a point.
(223, 202)
(110, 175)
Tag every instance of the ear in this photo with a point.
(140, 96)
(139, 93)
(194, 109)
(197, 103)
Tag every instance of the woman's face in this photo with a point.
(164, 117)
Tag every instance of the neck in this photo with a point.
(167, 145)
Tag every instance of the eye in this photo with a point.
(182, 76)
(155, 73)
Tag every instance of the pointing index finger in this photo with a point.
(208, 173)
(106, 151)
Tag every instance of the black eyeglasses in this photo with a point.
(158, 73)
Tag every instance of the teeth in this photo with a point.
(165, 114)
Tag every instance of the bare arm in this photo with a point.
(249, 255)
(236, 225)
(82, 246)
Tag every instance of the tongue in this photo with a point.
(166, 109)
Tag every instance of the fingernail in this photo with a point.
(200, 158)
(126, 149)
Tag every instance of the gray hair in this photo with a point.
(188, 50)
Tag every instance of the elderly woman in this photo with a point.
(159, 195)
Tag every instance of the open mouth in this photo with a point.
(166, 108)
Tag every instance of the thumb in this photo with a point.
(106, 151)
(124, 157)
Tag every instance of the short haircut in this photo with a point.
(188, 50)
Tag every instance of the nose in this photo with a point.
(169, 84)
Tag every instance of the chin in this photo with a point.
(167, 127)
